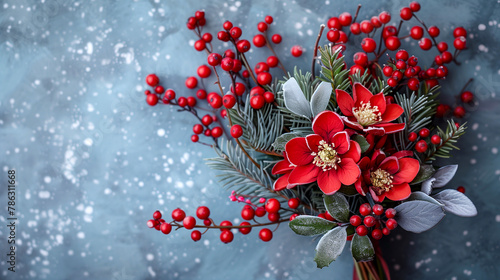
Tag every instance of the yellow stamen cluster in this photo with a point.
(326, 158)
(381, 181)
(366, 114)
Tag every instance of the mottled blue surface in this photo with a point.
(94, 161)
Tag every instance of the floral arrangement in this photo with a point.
(345, 152)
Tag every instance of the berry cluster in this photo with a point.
(377, 220)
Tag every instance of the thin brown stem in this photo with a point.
(321, 28)
(354, 20)
(231, 227)
(280, 65)
(466, 84)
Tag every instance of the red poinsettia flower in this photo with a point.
(328, 156)
(385, 176)
(369, 112)
(282, 167)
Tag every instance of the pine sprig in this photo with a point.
(332, 64)
(448, 139)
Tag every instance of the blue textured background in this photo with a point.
(94, 161)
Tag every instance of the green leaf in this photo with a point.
(330, 246)
(362, 248)
(426, 171)
(310, 225)
(337, 206)
(280, 142)
(362, 142)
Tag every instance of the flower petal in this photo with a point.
(390, 128)
(390, 164)
(352, 123)
(281, 183)
(360, 186)
(327, 123)
(329, 182)
(378, 131)
(348, 171)
(402, 154)
(341, 142)
(345, 102)
(379, 101)
(281, 167)
(312, 141)
(377, 157)
(392, 112)
(399, 192)
(360, 93)
(297, 151)
(364, 163)
(377, 198)
(354, 152)
(304, 174)
(408, 169)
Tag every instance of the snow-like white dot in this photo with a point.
(81, 235)
(47, 179)
(44, 194)
(161, 132)
(481, 27)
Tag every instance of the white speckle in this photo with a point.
(467, 272)
(434, 252)
(478, 67)
(150, 257)
(44, 194)
(151, 272)
(497, 218)
(89, 48)
(474, 148)
(482, 48)
(298, 25)
(44, 253)
(197, 260)
(494, 151)
(237, 3)
(90, 107)
(161, 132)
(473, 161)
(233, 9)
(468, 243)
(475, 126)
(81, 235)
(59, 239)
(88, 142)
(206, 242)
(481, 27)
(47, 179)
(89, 210)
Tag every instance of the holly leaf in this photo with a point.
(457, 203)
(425, 172)
(362, 248)
(320, 98)
(418, 216)
(295, 101)
(337, 206)
(310, 225)
(330, 246)
(280, 142)
(423, 197)
(362, 142)
(443, 175)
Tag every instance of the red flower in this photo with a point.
(387, 176)
(328, 157)
(369, 112)
(282, 167)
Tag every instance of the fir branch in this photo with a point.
(448, 139)
(332, 64)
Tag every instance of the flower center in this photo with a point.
(366, 114)
(326, 158)
(381, 181)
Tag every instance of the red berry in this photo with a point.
(413, 61)
(196, 235)
(355, 220)
(424, 132)
(293, 216)
(322, 216)
(369, 221)
(425, 44)
(268, 19)
(461, 189)
(199, 14)
(421, 146)
(293, 203)
(417, 32)
(389, 31)
(261, 67)
(402, 55)
(227, 64)
(236, 131)
(206, 120)
(269, 97)
(433, 31)
(229, 101)
(365, 209)
(257, 102)
(391, 224)
(387, 70)
(459, 31)
(333, 35)
(260, 211)
(366, 26)
(356, 69)
(360, 58)
(412, 137)
(406, 13)
(229, 53)
(235, 32)
(214, 59)
(226, 236)
(435, 139)
(265, 234)
(343, 38)
(152, 223)
(200, 45)
(447, 57)
(208, 132)
(442, 110)
(227, 25)
(204, 71)
(369, 45)
(264, 78)
(397, 75)
(361, 230)
(165, 228)
(276, 38)
(215, 100)
(195, 138)
(272, 61)
(377, 234)
(345, 19)
(431, 83)
(390, 213)
(273, 217)
(378, 209)
(245, 230)
(460, 43)
(401, 65)
(217, 132)
(415, 6)
(243, 46)
(296, 51)
(334, 22)
(328, 216)
(262, 26)
(198, 128)
(189, 222)
(223, 36)
(248, 213)
(202, 212)
(152, 99)
(355, 28)
(207, 37)
(384, 17)
(257, 91)
(259, 40)
(146, 92)
(459, 112)
(386, 231)
(375, 22)
(442, 46)
(191, 101)
(410, 72)
(272, 205)
(159, 89)
(466, 96)
(152, 80)
(442, 71)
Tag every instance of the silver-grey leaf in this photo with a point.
(418, 216)
(320, 98)
(444, 175)
(330, 246)
(427, 186)
(457, 203)
(295, 101)
(424, 197)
